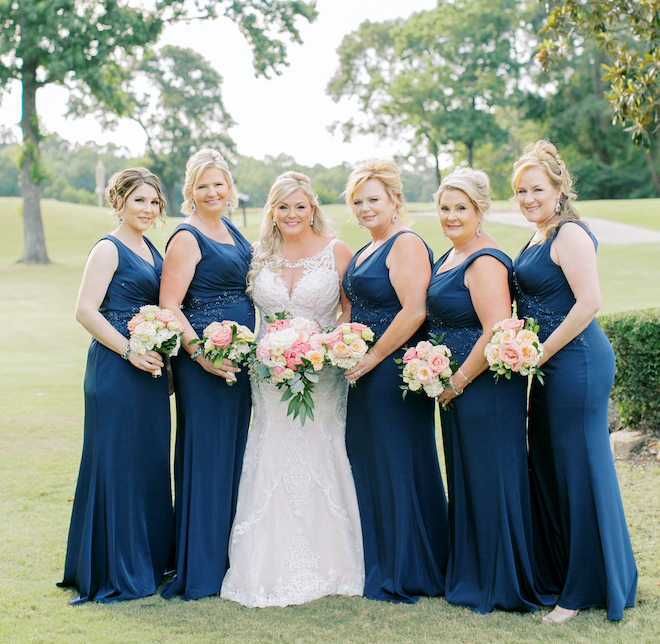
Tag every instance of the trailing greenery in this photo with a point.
(635, 336)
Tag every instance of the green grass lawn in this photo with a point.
(42, 360)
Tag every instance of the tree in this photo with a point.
(629, 32)
(438, 76)
(187, 112)
(86, 45)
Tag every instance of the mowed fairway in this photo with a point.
(42, 361)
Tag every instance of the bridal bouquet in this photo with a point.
(428, 366)
(347, 344)
(226, 339)
(155, 329)
(515, 348)
(290, 355)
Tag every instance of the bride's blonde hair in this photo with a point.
(268, 250)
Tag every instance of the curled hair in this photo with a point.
(543, 154)
(122, 184)
(268, 250)
(197, 163)
(474, 183)
(386, 171)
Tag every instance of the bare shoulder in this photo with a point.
(573, 233)
(104, 253)
(342, 251)
(409, 243)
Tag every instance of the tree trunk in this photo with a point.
(652, 170)
(171, 203)
(34, 242)
(435, 151)
(470, 151)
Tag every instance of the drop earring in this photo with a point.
(311, 223)
(192, 207)
(274, 223)
(395, 216)
(121, 220)
(445, 234)
(480, 230)
(558, 206)
(360, 225)
(154, 225)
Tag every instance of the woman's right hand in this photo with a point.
(228, 371)
(151, 361)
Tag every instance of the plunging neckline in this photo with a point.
(305, 273)
(151, 250)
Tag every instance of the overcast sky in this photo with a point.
(286, 114)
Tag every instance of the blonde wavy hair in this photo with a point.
(387, 172)
(543, 154)
(268, 249)
(474, 183)
(122, 184)
(197, 163)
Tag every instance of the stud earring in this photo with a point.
(480, 230)
(192, 207)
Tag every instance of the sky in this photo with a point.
(287, 114)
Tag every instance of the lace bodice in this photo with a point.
(315, 295)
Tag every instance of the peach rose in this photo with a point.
(409, 355)
(525, 335)
(149, 311)
(508, 335)
(425, 374)
(492, 353)
(511, 323)
(341, 351)
(316, 358)
(138, 318)
(413, 366)
(438, 362)
(358, 348)
(529, 353)
(222, 337)
(511, 355)
(423, 348)
(332, 338)
(212, 328)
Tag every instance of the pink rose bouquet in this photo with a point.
(155, 329)
(515, 348)
(347, 344)
(226, 339)
(427, 366)
(290, 355)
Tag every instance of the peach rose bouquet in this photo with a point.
(226, 339)
(290, 356)
(515, 348)
(155, 329)
(427, 367)
(347, 344)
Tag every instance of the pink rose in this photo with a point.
(511, 354)
(222, 337)
(165, 317)
(262, 353)
(278, 325)
(511, 323)
(295, 352)
(425, 374)
(409, 355)
(138, 318)
(438, 362)
(333, 337)
(423, 348)
(277, 370)
(316, 342)
(357, 328)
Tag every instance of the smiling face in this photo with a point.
(459, 217)
(141, 208)
(372, 206)
(537, 197)
(293, 215)
(211, 191)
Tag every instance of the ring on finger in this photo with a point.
(359, 373)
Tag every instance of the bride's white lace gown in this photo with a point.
(296, 535)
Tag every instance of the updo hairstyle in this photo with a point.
(387, 172)
(474, 183)
(268, 250)
(544, 154)
(123, 183)
(197, 163)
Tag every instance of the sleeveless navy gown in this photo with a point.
(392, 449)
(212, 422)
(581, 540)
(121, 537)
(484, 433)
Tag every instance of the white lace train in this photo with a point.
(296, 535)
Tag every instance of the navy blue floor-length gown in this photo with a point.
(392, 449)
(121, 537)
(581, 540)
(490, 562)
(212, 422)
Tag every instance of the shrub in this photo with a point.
(635, 336)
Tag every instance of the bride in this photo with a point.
(296, 535)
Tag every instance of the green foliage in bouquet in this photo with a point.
(635, 337)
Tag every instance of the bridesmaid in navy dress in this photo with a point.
(484, 430)
(391, 442)
(122, 530)
(204, 280)
(583, 550)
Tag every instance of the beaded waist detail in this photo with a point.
(374, 318)
(459, 339)
(232, 305)
(119, 319)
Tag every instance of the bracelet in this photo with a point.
(451, 386)
(196, 353)
(127, 350)
(464, 376)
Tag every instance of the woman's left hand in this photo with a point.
(369, 362)
(446, 396)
